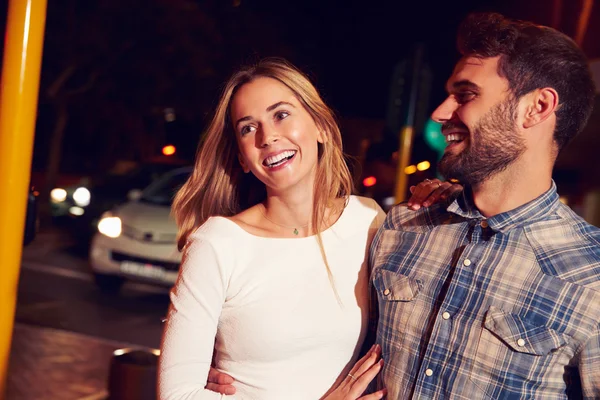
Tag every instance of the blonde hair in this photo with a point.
(218, 186)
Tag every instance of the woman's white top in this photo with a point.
(267, 308)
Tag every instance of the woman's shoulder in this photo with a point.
(216, 229)
(363, 212)
(364, 205)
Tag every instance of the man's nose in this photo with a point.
(445, 111)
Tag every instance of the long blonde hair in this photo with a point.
(218, 186)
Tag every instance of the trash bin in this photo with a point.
(132, 374)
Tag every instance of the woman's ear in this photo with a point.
(243, 164)
(321, 138)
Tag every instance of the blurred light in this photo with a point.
(564, 200)
(58, 195)
(82, 196)
(168, 150)
(110, 226)
(169, 114)
(411, 169)
(76, 210)
(454, 180)
(389, 201)
(36, 193)
(423, 165)
(369, 181)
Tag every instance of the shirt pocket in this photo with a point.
(396, 296)
(516, 356)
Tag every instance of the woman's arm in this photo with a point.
(191, 326)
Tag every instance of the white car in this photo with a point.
(137, 240)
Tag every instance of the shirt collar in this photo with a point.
(527, 213)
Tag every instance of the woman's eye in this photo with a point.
(281, 115)
(246, 129)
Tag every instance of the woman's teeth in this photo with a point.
(278, 159)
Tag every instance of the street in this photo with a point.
(64, 321)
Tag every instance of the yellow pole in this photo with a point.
(24, 39)
(404, 151)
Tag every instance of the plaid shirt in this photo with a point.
(500, 308)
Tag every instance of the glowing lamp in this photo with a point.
(369, 181)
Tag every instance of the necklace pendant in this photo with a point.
(296, 231)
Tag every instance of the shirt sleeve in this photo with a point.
(191, 326)
(589, 367)
(373, 302)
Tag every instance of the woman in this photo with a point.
(274, 276)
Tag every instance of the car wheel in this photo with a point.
(109, 283)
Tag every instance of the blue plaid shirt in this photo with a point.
(500, 308)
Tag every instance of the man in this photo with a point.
(497, 293)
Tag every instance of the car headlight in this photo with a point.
(82, 196)
(58, 195)
(110, 225)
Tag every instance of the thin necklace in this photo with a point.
(296, 232)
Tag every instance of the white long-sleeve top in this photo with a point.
(267, 308)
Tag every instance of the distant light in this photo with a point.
(169, 114)
(369, 181)
(82, 197)
(564, 200)
(423, 165)
(58, 195)
(76, 211)
(411, 169)
(389, 201)
(168, 150)
(454, 180)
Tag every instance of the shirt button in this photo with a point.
(386, 292)
(446, 315)
(428, 372)
(467, 262)
(520, 342)
(484, 224)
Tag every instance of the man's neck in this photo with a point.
(510, 189)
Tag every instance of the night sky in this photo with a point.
(131, 59)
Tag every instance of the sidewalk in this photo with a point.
(52, 364)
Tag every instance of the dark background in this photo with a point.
(111, 67)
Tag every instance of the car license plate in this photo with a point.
(145, 270)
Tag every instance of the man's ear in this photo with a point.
(543, 103)
(243, 163)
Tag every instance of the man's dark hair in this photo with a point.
(532, 57)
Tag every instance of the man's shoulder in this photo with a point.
(568, 247)
(400, 217)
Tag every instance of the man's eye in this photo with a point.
(464, 97)
(281, 115)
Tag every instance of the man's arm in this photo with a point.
(220, 382)
(589, 366)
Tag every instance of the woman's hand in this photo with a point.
(431, 191)
(357, 381)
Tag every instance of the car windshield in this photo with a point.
(163, 191)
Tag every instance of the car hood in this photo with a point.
(143, 219)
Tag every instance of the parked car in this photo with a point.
(137, 240)
(84, 203)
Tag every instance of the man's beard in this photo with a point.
(493, 146)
